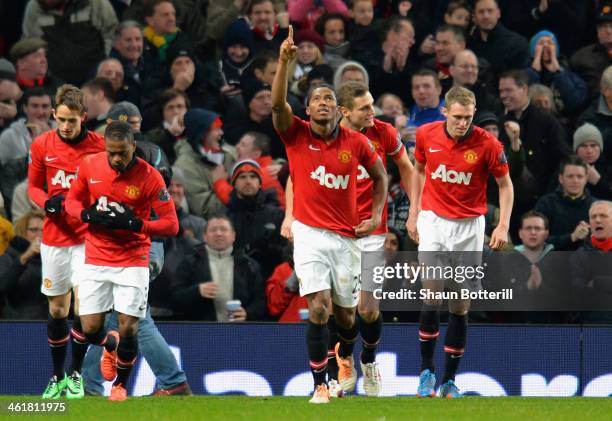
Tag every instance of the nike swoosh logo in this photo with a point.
(434, 150)
(50, 158)
(92, 181)
(312, 148)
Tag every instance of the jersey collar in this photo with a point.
(80, 137)
(462, 138)
(334, 133)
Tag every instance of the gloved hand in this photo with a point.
(125, 220)
(55, 204)
(292, 283)
(92, 215)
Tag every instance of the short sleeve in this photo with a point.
(393, 141)
(497, 162)
(366, 152)
(290, 135)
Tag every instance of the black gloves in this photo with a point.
(125, 220)
(92, 215)
(292, 284)
(55, 204)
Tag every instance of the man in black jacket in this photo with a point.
(567, 208)
(213, 274)
(534, 136)
(257, 217)
(494, 42)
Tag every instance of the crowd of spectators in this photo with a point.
(194, 78)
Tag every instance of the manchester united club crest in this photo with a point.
(470, 156)
(375, 144)
(47, 283)
(345, 156)
(132, 192)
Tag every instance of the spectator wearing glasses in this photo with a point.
(20, 271)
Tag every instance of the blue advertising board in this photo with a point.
(270, 359)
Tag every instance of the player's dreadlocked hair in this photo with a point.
(119, 130)
(459, 95)
(72, 97)
(349, 91)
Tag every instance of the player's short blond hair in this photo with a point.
(459, 95)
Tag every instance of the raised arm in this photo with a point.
(282, 115)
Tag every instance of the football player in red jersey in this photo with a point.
(114, 194)
(453, 161)
(357, 108)
(324, 159)
(54, 157)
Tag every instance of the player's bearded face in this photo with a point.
(68, 121)
(322, 106)
(459, 118)
(120, 153)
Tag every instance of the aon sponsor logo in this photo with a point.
(63, 179)
(331, 181)
(451, 176)
(363, 173)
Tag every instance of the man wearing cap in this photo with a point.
(258, 101)
(15, 141)
(30, 58)
(256, 216)
(588, 145)
(590, 61)
(198, 155)
(9, 93)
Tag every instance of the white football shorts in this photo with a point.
(60, 268)
(325, 260)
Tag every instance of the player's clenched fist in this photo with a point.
(288, 50)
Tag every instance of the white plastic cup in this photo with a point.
(303, 314)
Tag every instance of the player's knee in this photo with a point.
(128, 326)
(345, 318)
(57, 311)
(368, 315)
(317, 312)
(433, 303)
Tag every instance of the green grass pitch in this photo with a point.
(349, 408)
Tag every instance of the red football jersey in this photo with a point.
(325, 175)
(387, 141)
(52, 168)
(456, 172)
(141, 188)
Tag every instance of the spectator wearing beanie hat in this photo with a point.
(552, 70)
(257, 96)
(199, 155)
(186, 74)
(256, 216)
(588, 145)
(256, 147)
